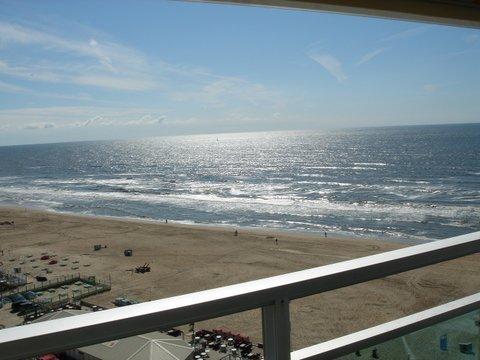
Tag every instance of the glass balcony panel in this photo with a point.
(457, 338)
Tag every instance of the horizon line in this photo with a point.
(245, 132)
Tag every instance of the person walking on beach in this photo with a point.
(325, 233)
(276, 241)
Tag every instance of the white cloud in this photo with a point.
(10, 88)
(218, 90)
(369, 56)
(147, 120)
(59, 73)
(121, 120)
(406, 33)
(87, 61)
(183, 121)
(430, 88)
(15, 89)
(32, 73)
(89, 122)
(109, 54)
(73, 116)
(96, 63)
(39, 126)
(331, 64)
(118, 83)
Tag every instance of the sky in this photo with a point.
(90, 70)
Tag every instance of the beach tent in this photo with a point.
(59, 315)
(154, 345)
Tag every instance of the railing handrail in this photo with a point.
(362, 339)
(88, 329)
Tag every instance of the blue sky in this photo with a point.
(120, 69)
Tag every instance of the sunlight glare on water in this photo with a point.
(404, 182)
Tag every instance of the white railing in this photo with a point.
(271, 294)
(348, 344)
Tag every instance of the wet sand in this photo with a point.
(191, 258)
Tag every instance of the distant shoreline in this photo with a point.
(205, 226)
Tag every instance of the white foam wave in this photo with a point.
(272, 204)
(86, 181)
(410, 181)
(370, 164)
(325, 167)
(9, 178)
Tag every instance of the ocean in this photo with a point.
(412, 183)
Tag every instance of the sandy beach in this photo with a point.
(191, 258)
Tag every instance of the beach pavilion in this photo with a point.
(154, 345)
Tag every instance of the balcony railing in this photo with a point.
(272, 295)
(348, 344)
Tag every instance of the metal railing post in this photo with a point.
(276, 330)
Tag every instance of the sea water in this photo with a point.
(407, 183)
